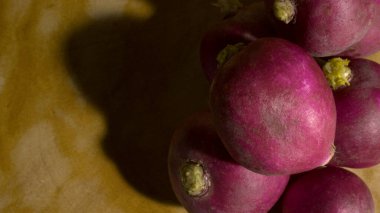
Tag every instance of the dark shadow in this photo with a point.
(146, 78)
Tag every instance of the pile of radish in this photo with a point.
(292, 101)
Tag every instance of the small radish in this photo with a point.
(323, 27)
(356, 85)
(206, 179)
(327, 190)
(247, 24)
(273, 108)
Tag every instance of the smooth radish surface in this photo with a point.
(327, 190)
(206, 179)
(370, 43)
(273, 108)
(249, 23)
(357, 138)
(323, 27)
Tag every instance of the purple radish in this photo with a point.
(273, 108)
(206, 179)
(370, 43)
(249, 23)
(357, 98)
(323, 27)
(327, 190)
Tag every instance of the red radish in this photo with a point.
(371, 41)
(357, 137)
(323, 27)
(273, 108)
(249, 23)
(206, 179)
(327, 190)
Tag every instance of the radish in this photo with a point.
(247, 24)
(371, 41)
(206, 179)
(323, 27)
(357, 98)
(327, 190)
(273, 108)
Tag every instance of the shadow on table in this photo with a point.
(145, 77)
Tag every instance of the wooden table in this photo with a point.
(90, 93)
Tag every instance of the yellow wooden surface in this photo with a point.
(90, 92)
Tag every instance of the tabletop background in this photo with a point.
(90, 93)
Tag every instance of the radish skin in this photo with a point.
(249, 23)
(206, 179)
(357, 138)
(322, 27)
(327, 190)
(273, 108)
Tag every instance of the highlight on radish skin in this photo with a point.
(273, 108)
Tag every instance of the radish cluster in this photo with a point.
(291, 103)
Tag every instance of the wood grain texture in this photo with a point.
(90, 93)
